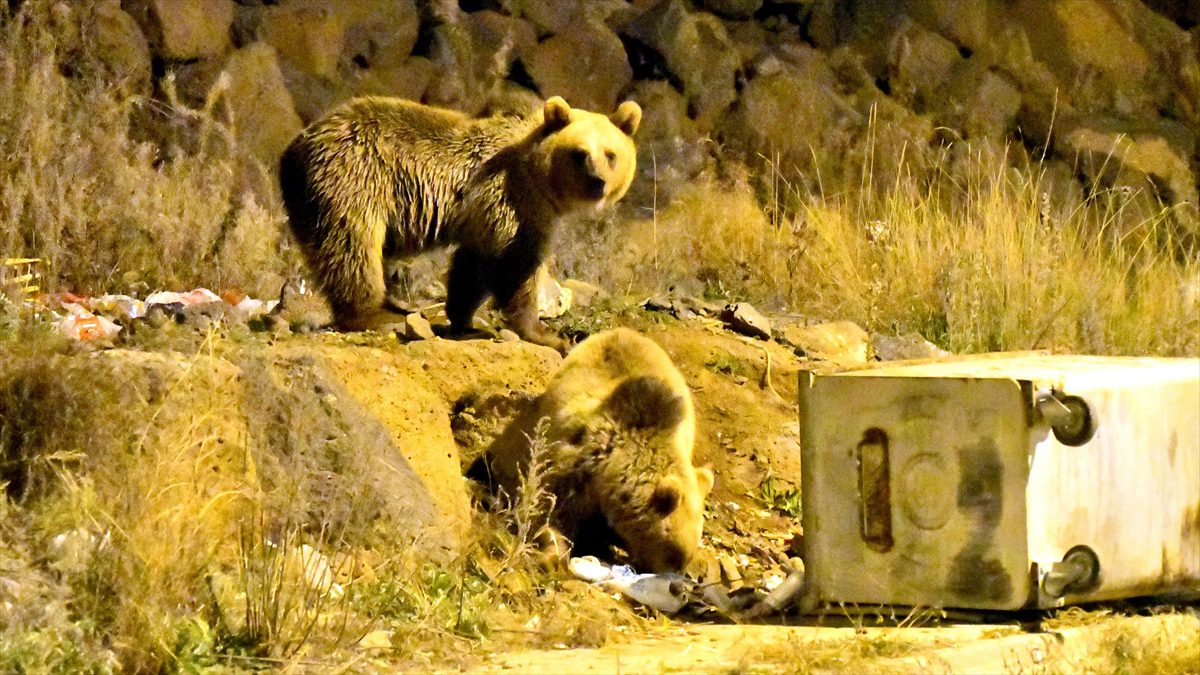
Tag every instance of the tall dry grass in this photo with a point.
(106, 212)
(981, 253)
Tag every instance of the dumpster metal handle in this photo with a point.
(875, 490)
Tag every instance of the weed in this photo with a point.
(726, 365)
(785, 500)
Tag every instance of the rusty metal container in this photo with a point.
(1002, 482)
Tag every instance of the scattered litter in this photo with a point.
(119, 305)
(199, 296)
(674, 593)
(308, 565)
(664, 592)
(80, 324)
(553, 299)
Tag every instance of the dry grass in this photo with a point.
(982, 256)
(1167, 642)
(106, 212)
(147, 525)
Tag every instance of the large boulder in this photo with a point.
(967, 24)
(1106, 55)
(308, 38)
(919, 65)
(1186, 13)
(734, 9)
(1113, 152)
(585, 64)
(548, 16)
(258, 102)
(379, 33)
(698, 52)
(472, 54)
(184, 29)
(671, 149)
(497, 41)
(407, 80)
(119, 44)
(980, 101)
(788, 110)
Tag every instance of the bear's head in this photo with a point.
(651, 494)
(588, 159)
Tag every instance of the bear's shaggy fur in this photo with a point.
(618, 462)
(383, 178)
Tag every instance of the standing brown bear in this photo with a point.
(383, 178)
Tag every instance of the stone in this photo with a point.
(905, 347)
(785, 110)
(919, 64)
(416, 327)
(659, 302)
(584, 294)
(508, 335)
(585, 64)
(1110, 55)
(664, 113)
(408, 80)
(259, 104)
(511, 98)
(750, 39)
(1183, 12)
(980, 102)
(309, 38)
(1112, 152)
(453, 83)
(376, 640)
(184, 29)
(697, 50)
(194, 80)
(314, 95)
(743, 318)
(843, 343)
(379, 33)
(671, 150)
(548, 16)
(733, 9)
(964, 23)
(117, 41)
(499, 40)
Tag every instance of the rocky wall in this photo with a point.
(1109, 90)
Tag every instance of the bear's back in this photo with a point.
(599, 365)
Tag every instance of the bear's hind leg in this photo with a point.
(352, 278)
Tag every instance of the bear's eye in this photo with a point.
(580, 157)
(611, 157)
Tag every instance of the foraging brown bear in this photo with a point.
(383, 178)
(618, 452)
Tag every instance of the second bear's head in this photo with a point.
(589, 157)
(649, 489)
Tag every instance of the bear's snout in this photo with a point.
(594, 186)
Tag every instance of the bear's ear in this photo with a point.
(704, 480)
(557, 113)
(665, 498)
(645, 403)
(627, 117)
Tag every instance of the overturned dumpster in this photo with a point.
(1002, 482)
